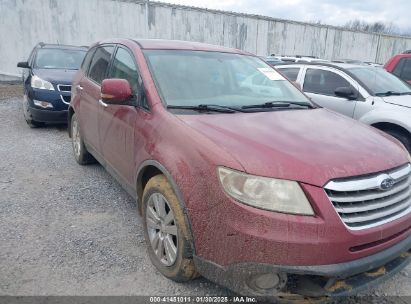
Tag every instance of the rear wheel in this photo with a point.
(81, 154)
(167, 231)
(403, 138)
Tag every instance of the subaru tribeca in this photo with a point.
(47, 78)
(237, 175)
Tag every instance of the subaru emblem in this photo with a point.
(387, 184)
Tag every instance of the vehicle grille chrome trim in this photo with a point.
(62, 99)
(363, 183)
(361, 204)
(64, 87)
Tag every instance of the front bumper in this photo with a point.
(50, 116)
(57, 114)
(332, 280)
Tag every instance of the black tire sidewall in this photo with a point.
(402, 138)
(175, 271)
(83, 157)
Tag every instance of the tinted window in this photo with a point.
(59, 59)
(406, 71)
(124, 68)
(379, 81)
(323, 82)
(87, 60)
(398, 69)
(99, 63)
(291, 73)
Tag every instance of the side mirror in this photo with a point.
(116, 91)
(345, 92)
(23, 64)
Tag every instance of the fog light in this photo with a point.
(267, 282)
(43, 104)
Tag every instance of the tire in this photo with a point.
(29, 118)
(82, 156)
(403, 138)
(172, 230)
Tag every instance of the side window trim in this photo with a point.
(350, 80)
(140, 79)
(32, 57)
(109, 64)
(91, 51)
(120, 46)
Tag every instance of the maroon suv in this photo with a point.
(237, 175)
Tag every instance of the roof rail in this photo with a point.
(407, 52)
(308, 56)
(41, 44)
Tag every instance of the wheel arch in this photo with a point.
(150, 168)
(383, 126)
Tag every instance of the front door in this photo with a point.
(117, 122)
(90, 96)
(320, 85)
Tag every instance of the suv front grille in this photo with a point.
(64, 87)
(368, 201)
(65, 99)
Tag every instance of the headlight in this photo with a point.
(38, 83)
(265, 193)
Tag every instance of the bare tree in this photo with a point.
(375, 27)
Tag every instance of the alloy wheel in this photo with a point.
(76, 138)
(162, 229)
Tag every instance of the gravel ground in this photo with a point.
(67, 229)
(10, 91)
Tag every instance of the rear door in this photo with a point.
(90, 96)
(320, 83)
(117, 122)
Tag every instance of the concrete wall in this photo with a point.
(23, 23)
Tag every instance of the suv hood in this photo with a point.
(309, 146)
(403, 100)
(56, 76)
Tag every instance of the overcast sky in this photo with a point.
(334, 12)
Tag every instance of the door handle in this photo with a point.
(79, 88)
(102, 103)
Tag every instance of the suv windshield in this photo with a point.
(192, 78)
(59, 59)
(379, 81)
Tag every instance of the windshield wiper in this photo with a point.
(207, 108)
(388, 93)
(278, 104)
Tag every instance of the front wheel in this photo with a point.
(167, 231)
(81, 154)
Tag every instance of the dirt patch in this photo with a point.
(10, 91)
